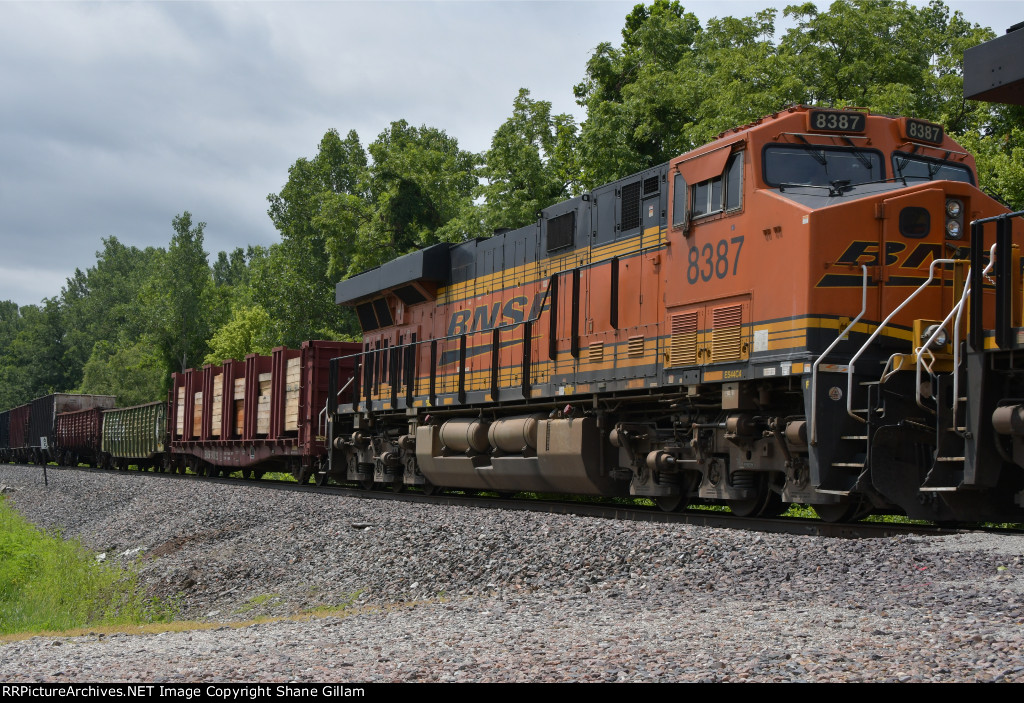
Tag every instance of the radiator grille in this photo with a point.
(727, 333)
(595, 352)
(635, 346)
(683, 342)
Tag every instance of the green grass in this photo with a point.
(256, 601)
(51, 585)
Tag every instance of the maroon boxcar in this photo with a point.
(263, 414)
(78, 437)
(19, 450)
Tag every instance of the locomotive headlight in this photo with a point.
(954, 208)
(953, 230)
(940, 339)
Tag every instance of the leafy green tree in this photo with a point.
(33, 364)
(1000, 161)
(531, 164)
(176, 294)
(102, 302)
(323, 201)
(230, 269)
(249, 331)
(637, 101)
(135, 374)
(317, 213)
(420, 181)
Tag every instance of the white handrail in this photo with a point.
(878, 330)
(926, 348)
(321, 424)
(956, 328)
(836, 341)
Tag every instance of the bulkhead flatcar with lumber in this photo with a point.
(262, 413)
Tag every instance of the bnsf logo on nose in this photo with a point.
(866, 253)
(496, 314)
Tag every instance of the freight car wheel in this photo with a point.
(430, 489)
(366, 484)
(840, 512)
(670, 504)
(321, 478)
(397, 486)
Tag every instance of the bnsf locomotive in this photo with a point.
(820, 307)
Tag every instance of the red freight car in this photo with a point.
(42, 426)
(78, 437)
(18, 449)
(263, 414)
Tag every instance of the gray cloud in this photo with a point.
(115, 117)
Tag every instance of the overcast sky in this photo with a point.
(116, 116)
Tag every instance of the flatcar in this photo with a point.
(263, 413)
(815, 308)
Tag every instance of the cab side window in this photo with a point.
(722, 193)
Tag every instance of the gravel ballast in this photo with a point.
(441, 593)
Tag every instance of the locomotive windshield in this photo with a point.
(910, 166)
(821, 166)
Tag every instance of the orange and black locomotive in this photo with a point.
(819, 307)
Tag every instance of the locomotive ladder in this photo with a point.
(968, 450)
(857, 439)
(874, 404)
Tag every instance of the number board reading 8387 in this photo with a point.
(836, 121)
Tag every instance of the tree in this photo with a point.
(102, 303)
(33, 364)
(249, 331)
(323, 202)
(230, 269)
(175, 297)
(134, 373)
(289, 284)
(532, 163)
(420, 181)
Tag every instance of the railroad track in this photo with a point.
(606, 509)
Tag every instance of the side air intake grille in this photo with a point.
(561, 230)
(630, 207)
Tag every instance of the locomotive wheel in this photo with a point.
(670, 504)
(840, 512)
(758, 504)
